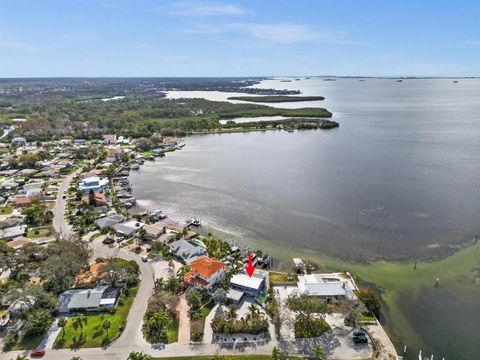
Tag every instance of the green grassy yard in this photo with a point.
(276, 277)
(38, 233)
(7, 209)
(93, 335)
(172, 331)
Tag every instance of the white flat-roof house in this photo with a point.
(244, 285)
(20, 141)
(93, 183)
(326, 287)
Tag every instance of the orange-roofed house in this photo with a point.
(93, 274)
(99, 199)
(205, 272)
(23, 201)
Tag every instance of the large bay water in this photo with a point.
(400, 179)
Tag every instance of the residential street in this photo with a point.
(59, 223)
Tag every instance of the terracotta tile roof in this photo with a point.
(204, 267)
(23, 200)
(90, 275)
(99, 197)
(18, 242)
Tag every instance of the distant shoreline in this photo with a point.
(276, 99)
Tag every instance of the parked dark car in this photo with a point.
(360, 339)
(358, 332)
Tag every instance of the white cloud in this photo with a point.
(276, 33)
(16, 45)
(283, 33)
(204, 8)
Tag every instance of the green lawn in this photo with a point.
(93, 335)
(38, 233)
(172, 330)
(7, 209)
(276, 277)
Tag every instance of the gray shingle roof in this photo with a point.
(81, 298)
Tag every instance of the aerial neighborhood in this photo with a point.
(79, 253)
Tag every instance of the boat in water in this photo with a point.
(194, 222)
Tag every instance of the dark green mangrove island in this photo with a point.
(276, 99)
(285, 124)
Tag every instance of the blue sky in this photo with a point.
(239, 38)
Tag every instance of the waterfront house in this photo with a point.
(113, 153)
(327, 287)
(243, 285)
(187, 250)
(109, 221)
(128, 228)
(205, 272)
(88, 300)
(93, 183)
(98, 199)
(153, 232)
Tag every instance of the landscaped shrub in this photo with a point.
(196, 330)
(108, 241)
(310, 328)
(253, 326)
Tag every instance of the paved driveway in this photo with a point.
(184, 321)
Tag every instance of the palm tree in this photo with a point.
(78, 320)
(277, 354)
(217, 357)
(76, 358)
(106, 325)
(159, 283)
(232, 312)
(318, 352)
(253, 309)
(138, 356)
(62, 322)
